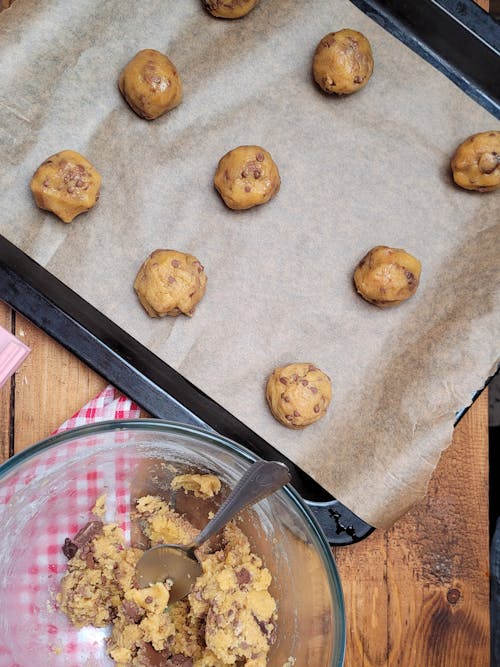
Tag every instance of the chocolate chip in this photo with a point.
(296, 413)
(132, 612)
(87, 533)
(171, 279)
(316, 408)
(304, 382)
(179, 660)
(283, 380)
(175, 263)
(90, 562)
(313, 389)
(410, 277)
(243, 577)
(148, 599)
(69, 548)
(260, 157)
(247, 188)
(257, 173)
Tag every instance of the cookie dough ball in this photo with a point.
(229, 9)
(247, 176)
(298, 394)
(387, 276)
(170, 283)
(66, 184)
(476, 163)
(150, 84)
(343, 62)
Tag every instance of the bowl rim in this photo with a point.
(166, 426)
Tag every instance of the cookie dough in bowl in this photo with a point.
(66, 184)
(247, 176)
(476, 162)
(228, 618)
(170, 282)
(229, 9)
(387, 276)
(150, 84)
(343, 62)
(298, 394)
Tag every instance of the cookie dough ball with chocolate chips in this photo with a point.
(476, 162)
(387, 276)
(229, 9)
(247, 176)
(298, 394)
(150, 84)
(170, 283)
(343, 62)
(66, 184)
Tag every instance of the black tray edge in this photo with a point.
(457, 37)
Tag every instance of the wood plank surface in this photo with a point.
(416, 595)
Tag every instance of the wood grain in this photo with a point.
(5, 393)
(50, 386)
(418, 594)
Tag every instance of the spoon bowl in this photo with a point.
(178, 563)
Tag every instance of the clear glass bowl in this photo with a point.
(48, 490)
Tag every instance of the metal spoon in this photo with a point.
(178, 562)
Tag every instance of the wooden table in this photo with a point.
(416, 595)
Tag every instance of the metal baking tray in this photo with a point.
(455, 36)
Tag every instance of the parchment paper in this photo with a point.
(356, 172)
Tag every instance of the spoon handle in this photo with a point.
(259, 481)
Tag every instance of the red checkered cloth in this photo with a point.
(109, 404)
(39, 569)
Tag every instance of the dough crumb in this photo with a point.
(99, 508)
(202, 486)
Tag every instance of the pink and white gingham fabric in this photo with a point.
(33, 596)
(109, 404)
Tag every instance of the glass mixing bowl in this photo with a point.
(48, 491)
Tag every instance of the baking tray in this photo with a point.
(456, 37)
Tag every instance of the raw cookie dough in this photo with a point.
(229, 9)
(246, 176)
(150, 84)
(298, 394)
(66, 184)
(170, 283)
(202, 486)
(343, 62)
(387, 276)
(229, 618)
(476, 162)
